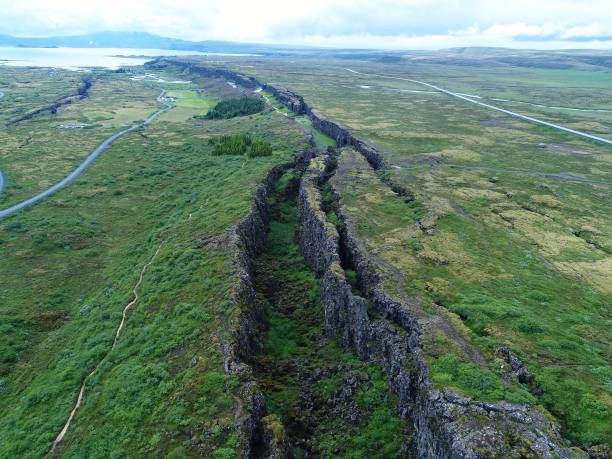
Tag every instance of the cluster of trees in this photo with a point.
(240, 144)
(259, 148)
(231, 108)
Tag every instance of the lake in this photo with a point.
(75, 58)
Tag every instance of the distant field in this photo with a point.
(35, 153)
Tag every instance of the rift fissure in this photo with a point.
(320, 400)
(446, 424)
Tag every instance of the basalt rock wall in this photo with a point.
(447, 425)
(247, 240)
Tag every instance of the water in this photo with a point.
(75, 58)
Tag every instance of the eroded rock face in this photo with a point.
(447, 424)
(247, 240)
(210, 72)
(292, 101)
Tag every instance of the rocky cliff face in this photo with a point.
(447, 424)
(291, 100)
(247, 240)
(211, 72)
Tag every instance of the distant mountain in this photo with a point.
(141, 40)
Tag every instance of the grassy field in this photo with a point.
(191, 103)
(504, 238)
(70, 264)
(509, 235)
(25, 91)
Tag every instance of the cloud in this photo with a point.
(390, 24)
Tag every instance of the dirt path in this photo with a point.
(126, 309)
(85, 164)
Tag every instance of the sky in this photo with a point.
(382, 24)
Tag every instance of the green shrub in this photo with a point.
(230, 145)
(528, 326)
(239, 144)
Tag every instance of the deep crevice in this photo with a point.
(323, 400)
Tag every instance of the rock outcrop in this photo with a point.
(447, 424)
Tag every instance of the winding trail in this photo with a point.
(492, 107)
(85, 164)
(126, 309)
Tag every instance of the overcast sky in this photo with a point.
(390, 24)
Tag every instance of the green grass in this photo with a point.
(192, 100)
(69, 266)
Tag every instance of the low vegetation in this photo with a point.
(70, 264)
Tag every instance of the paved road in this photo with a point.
(85, 164)
(493, 107)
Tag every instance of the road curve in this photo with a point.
(85, 164)
(493, 107)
